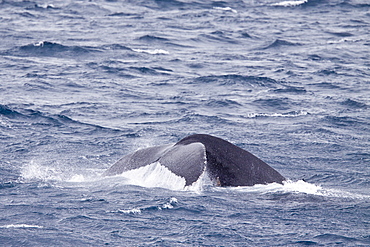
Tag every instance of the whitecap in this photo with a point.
(169, 205)
(152, 52)
(226, 9)
(21, 226)
(290, 3)
(288, 114)
(130, 211)
(40, 43)
(343, 40)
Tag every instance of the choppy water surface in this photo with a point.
(85, 82)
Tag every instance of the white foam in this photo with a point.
(46, 6)
(21, 226)
(130, 211)
(343, 40)
(173, 200)
(152, 52)
(41, 43)
(169, 205)
(226, 9)
(154, 175)
(300, 186)
(290, 3)
(308, 188)
(289, 114)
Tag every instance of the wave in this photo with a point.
(335, 240)
(291, 89)
(149, 71)
(124, 14)
(116, 47)
(152, 38)
(273, 103)
(326, 85)
(51, 49)
(183, 5)
(344, 121)
(231, 79)
(304, 3)
(213, 103)
(354, 4)
(354, 104)
(342, 34)
(142, 117)
(219, 36)
(8, 112)
(328, 239)
(112, 68)
(157, 40)
(29, 5)
(48, 121)
(278, 43)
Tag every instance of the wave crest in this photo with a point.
(51, 49)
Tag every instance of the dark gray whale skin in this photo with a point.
(225, 163)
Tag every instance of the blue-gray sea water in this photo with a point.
(85, 82)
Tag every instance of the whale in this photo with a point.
(225, 163)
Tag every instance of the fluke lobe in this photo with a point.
(225, 163)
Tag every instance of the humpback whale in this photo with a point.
(225, 163)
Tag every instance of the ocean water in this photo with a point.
(85, 82)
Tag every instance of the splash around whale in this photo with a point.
(195, 155)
